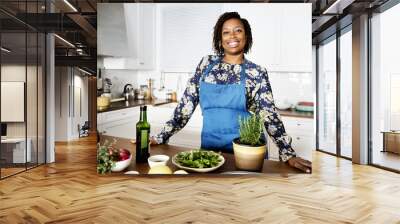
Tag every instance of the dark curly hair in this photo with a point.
(217, 35)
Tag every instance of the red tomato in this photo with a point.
(124, 154)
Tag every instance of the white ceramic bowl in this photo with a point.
(121, 165)
(198, 170)
(158, 160)
(283, 106)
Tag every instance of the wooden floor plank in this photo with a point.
(70, 191)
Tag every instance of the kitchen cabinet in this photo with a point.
(111, 31)
(264, 21)
(189, 136)
(122, 123)
(280, 42)
(295, 42)
(138, 52)
(185, 34)
(119, 123)
(301, 130)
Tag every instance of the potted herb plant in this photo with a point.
(250, 148)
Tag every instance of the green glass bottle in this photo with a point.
(142, 137)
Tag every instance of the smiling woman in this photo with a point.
(228, 86)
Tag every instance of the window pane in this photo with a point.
(346, 94)
(386, 89)
(13, 87)
(327, 97)
(31, 98)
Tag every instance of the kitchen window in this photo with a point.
(327, 96)
(385, 89)
(334, 118)
(345, 61)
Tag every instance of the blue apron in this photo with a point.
(221, 106)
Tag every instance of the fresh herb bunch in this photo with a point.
(105, 157)
(198, 159)
(250, 129)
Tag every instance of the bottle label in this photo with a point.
(144, 138)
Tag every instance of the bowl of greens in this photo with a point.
(201, 161)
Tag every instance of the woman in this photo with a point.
(227, 86)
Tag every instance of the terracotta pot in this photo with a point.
(248, 157)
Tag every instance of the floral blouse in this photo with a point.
(258, 99)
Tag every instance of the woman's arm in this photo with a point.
(273, 124)
(185, 108)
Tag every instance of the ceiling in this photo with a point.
(76, 20)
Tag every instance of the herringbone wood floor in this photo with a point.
(70, 191)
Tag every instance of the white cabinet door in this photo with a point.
(301, 130)
(302, 126)
(303, 145)
(121, 128)
(133, 36)
(111, 30)
(189, 136)
(264, 20)
(119, 123)
(146, 37)
(185, 34)
(280, 40)
(140, 25)
(296, 41)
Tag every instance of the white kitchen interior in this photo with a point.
(165, 42)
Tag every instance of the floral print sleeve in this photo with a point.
(185, 108)
(273, 125)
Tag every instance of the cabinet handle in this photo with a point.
(142, 63)
(298, 124)
(298, 138)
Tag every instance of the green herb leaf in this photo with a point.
(198, 159)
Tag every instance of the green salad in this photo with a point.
(198, 159)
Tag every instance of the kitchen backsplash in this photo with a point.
(290, 87)
(119, 78)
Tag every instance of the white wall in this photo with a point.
(68, 82)
(61, 103)
(15, 72)
(121, 77)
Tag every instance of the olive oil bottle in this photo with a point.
(142, 137)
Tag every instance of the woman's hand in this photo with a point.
(153, 141)
(301, 164)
